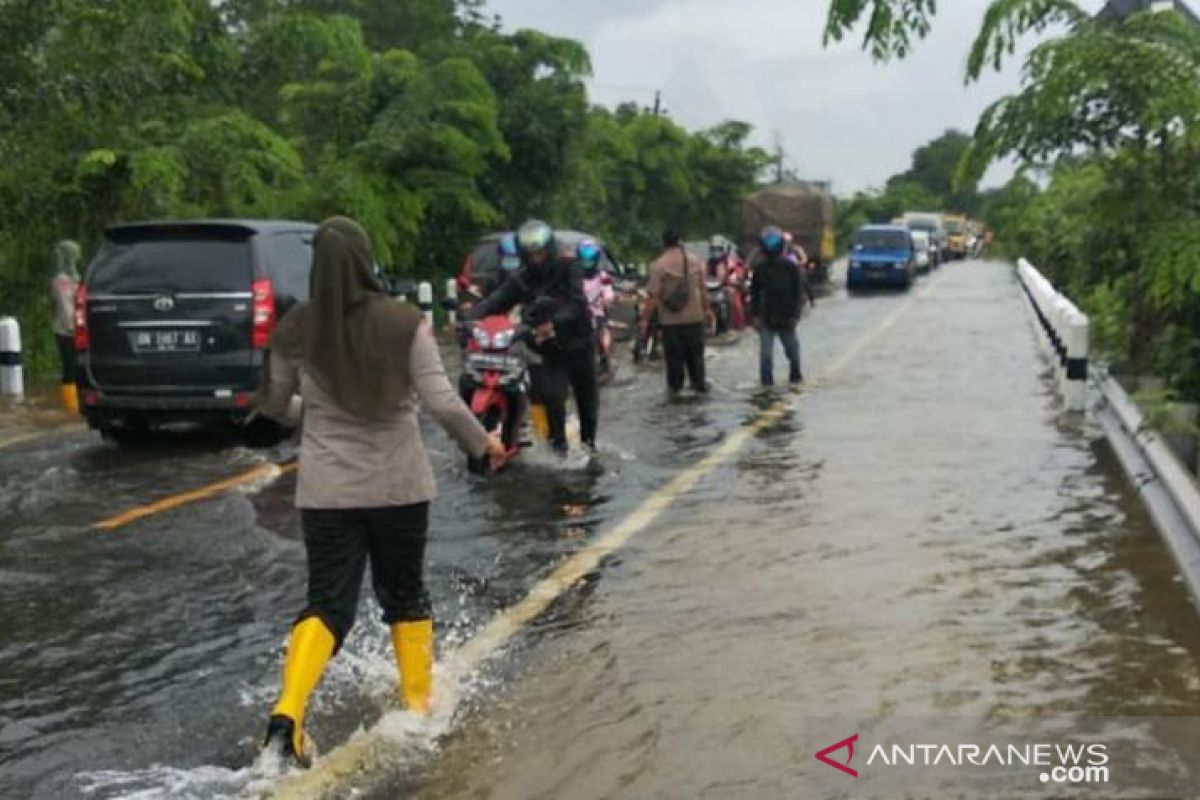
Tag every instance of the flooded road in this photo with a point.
(922, 535)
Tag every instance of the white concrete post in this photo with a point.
(425, 300)
(12, 378)
(1078, 336)
(452, 294)
(1066, 330)
(1061, 312)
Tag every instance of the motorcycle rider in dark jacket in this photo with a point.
(777, 293)
(555, 309)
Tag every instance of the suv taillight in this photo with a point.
(264, 311)
(83, 341)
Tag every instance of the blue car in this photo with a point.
(883, 256)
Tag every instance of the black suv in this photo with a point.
(173, 318)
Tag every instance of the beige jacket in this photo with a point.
(62, 302)
(350, 462)
(665, 274)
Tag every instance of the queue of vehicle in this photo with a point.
(173, 318)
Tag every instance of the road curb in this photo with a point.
(1170, 493)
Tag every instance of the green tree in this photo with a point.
(934, 167)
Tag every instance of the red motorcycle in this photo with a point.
(495, 380)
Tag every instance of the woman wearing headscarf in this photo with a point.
(64, 280)
(361, 362)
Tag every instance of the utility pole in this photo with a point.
(778, 158)
(657, 102)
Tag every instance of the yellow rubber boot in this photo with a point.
(70, 398)
(414, 657)
(309, 650)
(540, 421)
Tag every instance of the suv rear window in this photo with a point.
(485, 260)
(162, 263)
(882, 240)
(289, 262)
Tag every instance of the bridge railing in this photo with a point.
(1170, 493)
(1067, 334)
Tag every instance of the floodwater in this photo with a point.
(922, 536)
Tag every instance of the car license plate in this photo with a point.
(492, 361)
(165, 341)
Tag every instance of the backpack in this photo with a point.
(676, 300)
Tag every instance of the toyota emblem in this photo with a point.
(164, 304)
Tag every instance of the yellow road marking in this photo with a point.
(362, 754)
(21, 438)
(185, 498)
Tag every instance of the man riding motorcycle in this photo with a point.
(721, 270)
(555, 310)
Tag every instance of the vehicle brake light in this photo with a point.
(83, 339)
(264, 311)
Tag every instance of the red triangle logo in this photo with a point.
(845, 744)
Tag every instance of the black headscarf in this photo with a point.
(352, 338)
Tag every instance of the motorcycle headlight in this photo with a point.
(502, 340)
(482, 339)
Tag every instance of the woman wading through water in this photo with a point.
(361, 362)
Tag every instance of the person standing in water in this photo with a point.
(63, 283)
(677, 291)
(361, 363)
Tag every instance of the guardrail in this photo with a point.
(1066, 334)
(1170, 493)
(1167, 488)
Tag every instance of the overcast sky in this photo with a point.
(840, 116)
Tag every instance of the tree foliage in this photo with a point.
(422, 118)
(934, 169)
(1109, 114)
(892, 27)
(928, 185)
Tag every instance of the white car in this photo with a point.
(924, 248)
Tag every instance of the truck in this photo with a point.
(956, 230)
(933, 223)
(802, 208)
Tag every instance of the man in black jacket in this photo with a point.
(554, 307)
(777, 293)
